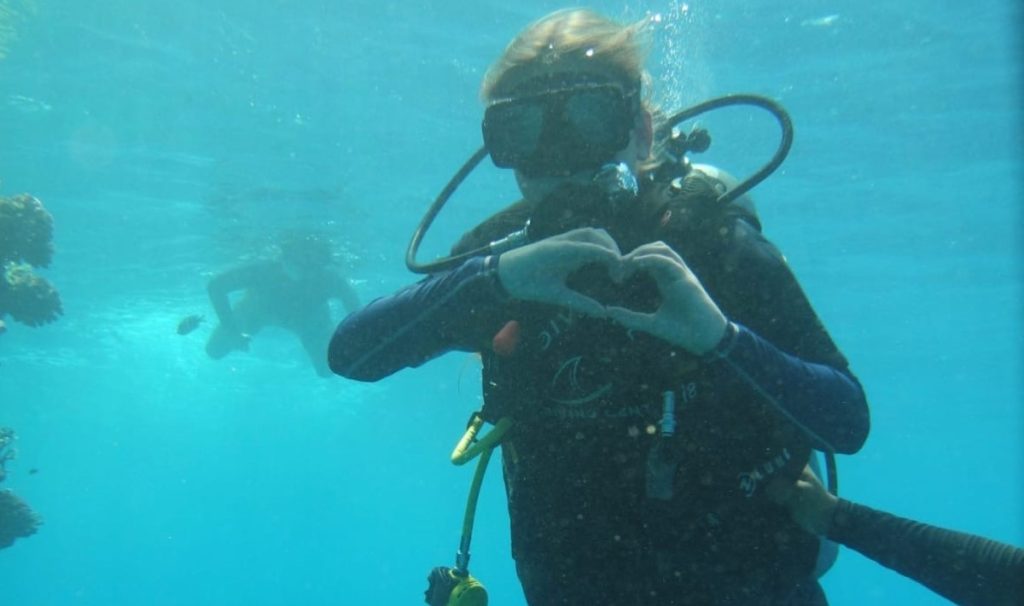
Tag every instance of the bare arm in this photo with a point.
(229, 281)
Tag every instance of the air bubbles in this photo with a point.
(680, 69)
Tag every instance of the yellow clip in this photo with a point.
(470, 448)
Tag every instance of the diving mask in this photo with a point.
(560, 131)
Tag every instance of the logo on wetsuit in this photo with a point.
(582, 385)
(763, 471)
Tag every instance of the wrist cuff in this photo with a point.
(491, 270)
(725, 344)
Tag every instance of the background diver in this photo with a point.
(291, 291)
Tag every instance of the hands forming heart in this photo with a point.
(568, 270)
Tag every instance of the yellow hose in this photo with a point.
(469, 447)
(466, 450)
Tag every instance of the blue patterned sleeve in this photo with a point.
(454, 310)
(827, 404)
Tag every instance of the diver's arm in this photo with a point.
(787, 355)
(227, 282)
(964, 568)
(443, 312)
(827, 404)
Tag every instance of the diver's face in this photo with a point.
(560, 126)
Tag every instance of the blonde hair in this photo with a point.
(570, 38)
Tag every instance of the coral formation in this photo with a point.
(6, 452)
(16, 518)
(28, 298)
(26, 241)
(26, 231)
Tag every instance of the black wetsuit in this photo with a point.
(964, 568)
(605, 510)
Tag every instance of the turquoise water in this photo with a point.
(169, 140)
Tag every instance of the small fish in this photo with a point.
(33, 471)
(189, 323)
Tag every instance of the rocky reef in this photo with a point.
(17, 520)
(26, 243)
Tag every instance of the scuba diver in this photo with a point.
(649, 355)
(963, 568)
(291, 291)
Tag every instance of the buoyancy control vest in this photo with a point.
(589, 397)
